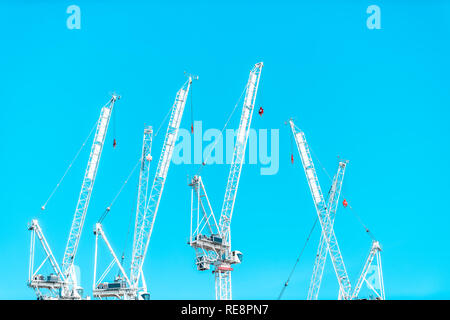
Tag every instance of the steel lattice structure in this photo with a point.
(322, 252)
(374, 254)
(146, 220)
(134, 286)
(212, 241)
(122, 287)
(326, 222)
(70, 288)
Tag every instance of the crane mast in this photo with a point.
(212, 241)
(145, 219)
(322, 252)
(322, 212)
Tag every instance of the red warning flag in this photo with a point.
(345, 203)
(192, 128)
(261, 111)
(292, 158)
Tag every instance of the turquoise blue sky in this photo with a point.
(379, 98)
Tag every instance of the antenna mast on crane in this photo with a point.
(212, 241)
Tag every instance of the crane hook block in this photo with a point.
(261, 111)
(345, 203)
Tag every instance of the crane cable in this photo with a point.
(167, 114)
(298, 259)
(369, 233)
(192, 110)
(73, 160)
(69, 167)
(221, 132)
(105, 213)
(314, 225)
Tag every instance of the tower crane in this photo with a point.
(325, 212)
(134, 286)
(63, 284)
(212, 240)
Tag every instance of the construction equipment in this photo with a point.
(121, 287)
(326, 213)
(375, 284)
(64, 283)
(212, 240)
(321, 256)
(134, 286)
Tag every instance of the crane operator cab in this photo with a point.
(236, 256)
(144, 296)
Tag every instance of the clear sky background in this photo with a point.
(379, 98)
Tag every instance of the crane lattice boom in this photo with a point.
(68, 287)
(326, 222)
(145, 219)
(322, 250)
(86, 188)
(122, 288)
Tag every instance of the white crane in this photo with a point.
(326, 213)
(212, 240)
(64, 285)
(322, 252)
(375, 284)
(134, 286)
(121, 288)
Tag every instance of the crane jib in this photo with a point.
(145, 218)
(86, 188)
